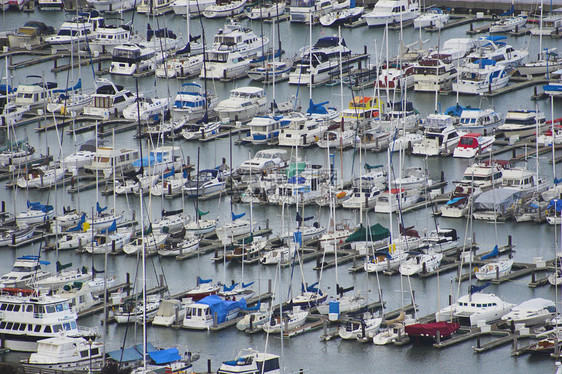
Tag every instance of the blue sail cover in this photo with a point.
(246, 285)
(79, 225)
(495, 252)
(165, 356)
(254, 308)
(317, 108)
(39, 206)
(148, 160)
(222, 307)
(201, 280)
(474, 289)
(111, 228)
(75, 88)
(33, 258)
(555, 204)
(99, 208)
(226, 288)
(236, 216)
(311, 288)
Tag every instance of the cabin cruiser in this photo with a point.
(154, 8)
(522, 123)
(531, 312)
(523, 180)
(79, 30)
(236, 38)
(396, 77)
(41, 316)
(160, 160)
(35, 93)
(112, 5)
(181, 66)
(170, 312)
(342, 16)
(107, 160)
(551, 136)
(110, 36)
(224, 8)
(25, 272)
(398, 115)
(496, 204)
(147, 109)
(473, 144)
(361, 110)
(397, 198)
(264, 129)
(434, 75)
(475, 308)
(306, 11)
(192, 102)
(265, 160)
(337, 139)
(267, 11)
(138, 58)
(480, 120)
(412, 177)
(404, 141)
(243, 104)
(224, 65)
(482, 76)
(302, 131)
(109, 99)
(251, 361)
(65, 353)
(432, 17)
(388, 12)
(208, 181)
(192, 7)
(549, 24)
(31, 34)
(493, 48)
(440, 141)
(211, 311)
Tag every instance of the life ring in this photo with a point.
(476, 270)
(341, 194)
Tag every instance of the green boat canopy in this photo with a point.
(376, 232)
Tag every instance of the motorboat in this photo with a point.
(362, 198)
(181, 66)
(110, 36)
(307, 11)
(522, 123)
(192, 102)
(233, 37)
(147, 109)
(434, 75)
(404, 141)
(111, 5)
(267, 11)
(235, 228)
(341, 16)
(280, 255)
(395, 199)
(287, 322)
(508, 24)
(200, 130)
(399, 115)
(192, 7)
(548, 25)
(314, 69)
(109, 99)
(442, 239)
(412, 177)
(365, 327)
(43, 316)
(138, 58)
(211, 311)
(480, 120)
(108, 160)
(251, 361)
(361, 110)
(243, 104)
(396, 77)
(35, 92)
(481, 76)
(523, 180)
(432, 17)
(63, 277)
(392, 12)
(132, 311)
(438, 141)
(265, 160)
(154, 8)
(494, 269)
(334, 139)
(208, 181)
(273, 70)
(65, 353)
(302, 131)
(225, 65)
(170, 312)
(473, 144)
(475, 308)
(421, 263)
(550, 136)
(31, 34)
(531, 312)
(494, 48)
(224, 8)
(160, 160)
(265, 129)
(253, 321)
(79, 30)
(25, 272)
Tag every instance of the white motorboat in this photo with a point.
(232, 229)
(432, 17)
(281, 255)
(278, 70)
(170, 312)
(192, 7)
(147, 109)
(307, 11)
(481, 76)
(65, 353)
(225, 65)
(522, 123)
(531, 312)
(337, 139)
(224, 8)
(250, 361)
(438, 141)
(133, 312)
(392, 12)
(548, 25)
(289, 321)
(301, 131)
(413, 177)
(434, 75)
(154, 8)
(396, 198)
(267, 11)
(211, 311)
(76, 32)
(63, 277)
(264, 129)
(480, 120)
(442, 239)
(473, 144)
(243, 104)
(265, 160)
(341, 16)
(494, 48)
(180, 67)
(35, 92)
(107, 160)
(192, 102)
(494, 269)
(25, 272)
(109, 99)
(550, 137)
(31, 34)
(253, 321)
(474, 308)
(508, 24)
(135, 58)
(421, 263)
(523, 180)
(365, 327)
(112, 5)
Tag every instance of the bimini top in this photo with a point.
(329, 41)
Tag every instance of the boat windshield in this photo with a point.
(302, 3)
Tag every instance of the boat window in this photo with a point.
(23, 326)
(479, 305)
(37, 328)
(3, 306)
(83, 354)
(48, 329)
(29, 308)
(472, 304)
(59, 307)
(30, 327)
(2, 325)
(16, 326)
(73, 325)
(57, 328)
(50, 308)
(10, 307)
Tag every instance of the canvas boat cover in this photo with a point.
(222, 307)
(445, 329)
(165, 356)
(498, 200)
(130, 354)
(376, 232)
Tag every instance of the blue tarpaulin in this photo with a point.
(474, 289)
(165, 356)
(220, 307)
(149, 160)
(236, 216)
(556, 204)
(130, 354)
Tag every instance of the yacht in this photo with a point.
(434, 75)
(147, 109)
(342, 16)
(160, 160)
(138, 58)
(112, 5)
(474, 308)
(134, 311)
(250, 361)
(361, 110)
(192, 7)
(154, 8)
(265, 160)
(523, 180)
(392, 12)
(25, 272)
(313, 70)
(243, 104)
(337, 139)
(192, 102)
(473, 144)
(208, 181)
(395, 199)
(109, 99)
(236, 38)
(265, 129)
(482, 76)
(29, 317)
(522, 123)
(267, 11)
(78, 31)
(302, 131)
(225, 65)
(531, 312)
(480, 120)
(549, 24)
(307, 11)
(108, 159)
(432, 17)
(224, 8)
(65, 353)
(31, 34)
(495, 49)
(211, 311)
(440, 141)
(35, 93)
